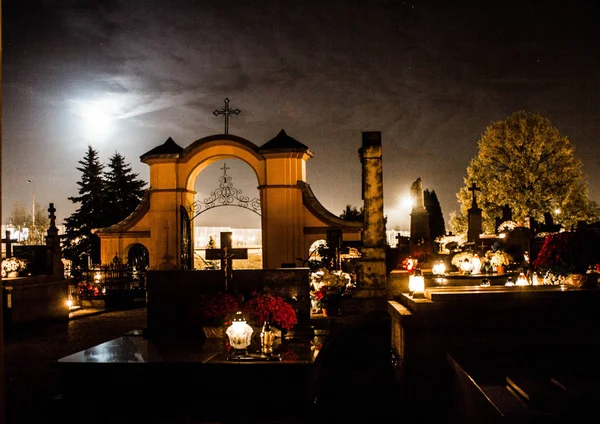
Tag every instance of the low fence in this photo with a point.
(109, 286)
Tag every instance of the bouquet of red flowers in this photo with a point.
(569, 252)
(274, 309)
(218, 309)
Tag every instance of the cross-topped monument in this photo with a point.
(226, 112)
(227, 254)
(8, 242)
(473, 189)
(54, 264)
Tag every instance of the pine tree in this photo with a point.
(78, 240)
(123, 189)
(437, 227)
(352, 213)
(528, 164)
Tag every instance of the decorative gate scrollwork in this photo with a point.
(186, 241)
(225, 195)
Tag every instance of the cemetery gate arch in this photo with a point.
(291, 216)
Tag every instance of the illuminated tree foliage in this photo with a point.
(20, 219)
(528, 164)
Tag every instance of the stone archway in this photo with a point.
(290, 214)
(138, 256)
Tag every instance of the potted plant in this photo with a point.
(459, 259)
(327, 288)
(12, 267)
(499, 259)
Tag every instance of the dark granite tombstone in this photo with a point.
(493, 326)
(474, 218)
(174, 296)
(35, 256)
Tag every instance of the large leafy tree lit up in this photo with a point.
(526, 163)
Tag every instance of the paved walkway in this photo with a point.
(358, 382)
(32, 382)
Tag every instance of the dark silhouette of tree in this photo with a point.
(437, 226)
(78, 241)
(123, 189)
(352, 213)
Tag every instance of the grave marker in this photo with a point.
(226, 254)
(8, 242)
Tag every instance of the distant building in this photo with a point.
(247, 237)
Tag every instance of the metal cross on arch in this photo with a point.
(225, 195)
(226, 112)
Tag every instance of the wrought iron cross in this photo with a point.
(474, 188)
(226, 112)
(225, 167)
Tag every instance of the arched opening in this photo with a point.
(138, 260)
(138, 257)
(227, 200)
(316, 254)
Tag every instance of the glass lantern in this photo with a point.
(416, 284)
(240, 334)
(522, 280)
(439, 268)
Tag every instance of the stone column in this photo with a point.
(474, 225)
(371, 269)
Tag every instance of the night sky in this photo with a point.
(431, 76)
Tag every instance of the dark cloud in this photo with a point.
(430, 75)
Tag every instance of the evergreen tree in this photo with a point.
(78, 240)
(437, 227)
(123, 189)
(352, 213)
(528, 164)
